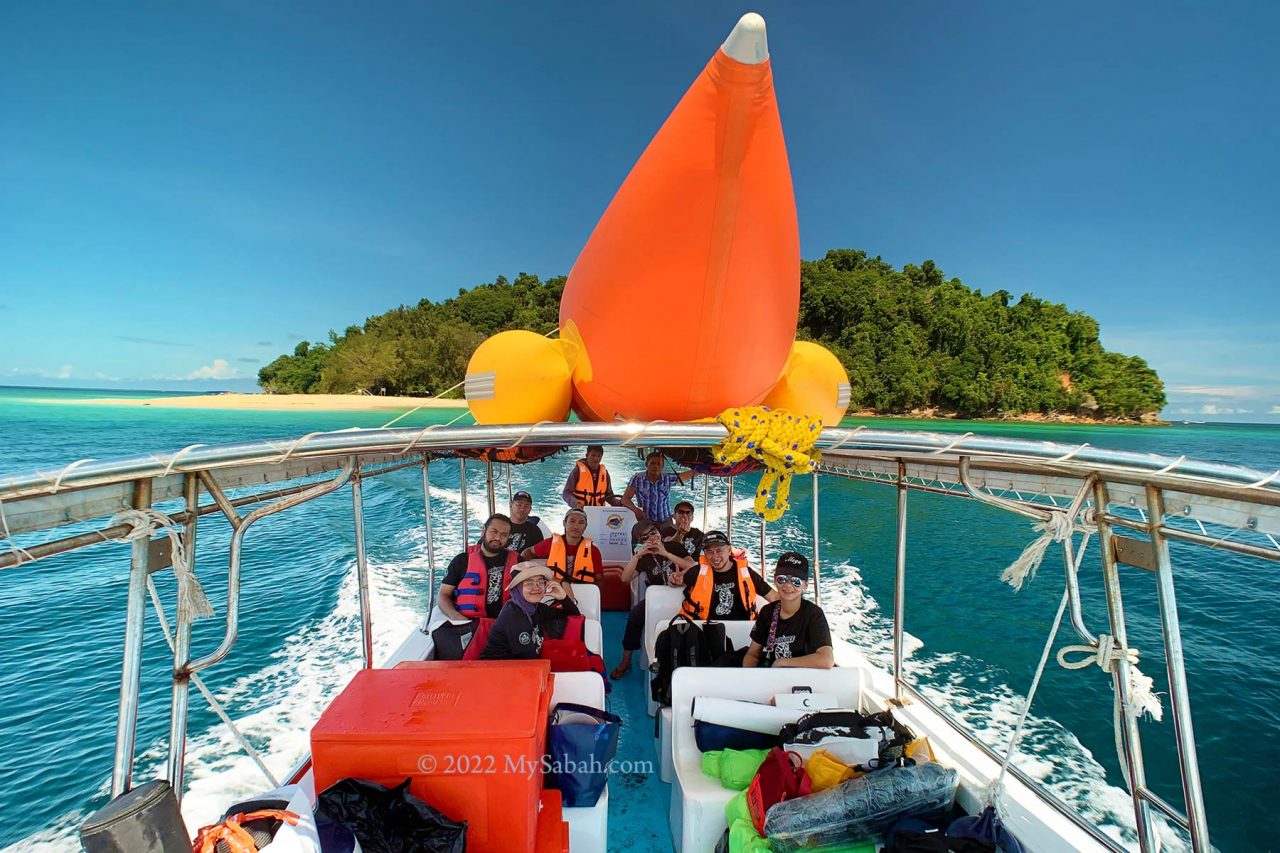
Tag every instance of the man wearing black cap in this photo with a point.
(526, 530)
(682, 532)
(791, 632)
(723, 586)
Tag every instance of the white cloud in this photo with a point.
(220, 369)
(1275, 410)
(1236, 391)
(1211, 409)
(64, 372)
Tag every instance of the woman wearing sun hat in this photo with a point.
(537, 608)
(791, 632)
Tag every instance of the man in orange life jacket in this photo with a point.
(572, 556)
(723, 586)
(475, 583)
(588, 483)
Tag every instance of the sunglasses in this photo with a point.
(784, 580)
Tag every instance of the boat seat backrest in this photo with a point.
(750, 685)
(580, 688)
(588, 597)
(661, 604)
(593, 636)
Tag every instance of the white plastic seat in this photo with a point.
(593, 636)
(738, 632)
(697, 801)
(588, 597)
(588, 826)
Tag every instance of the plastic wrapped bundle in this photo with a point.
(859, 808)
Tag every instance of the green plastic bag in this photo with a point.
(743, 838)
(711, 764)
(737, 808)
(738, 767)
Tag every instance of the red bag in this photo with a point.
(781, 777)
(478, 639)
(568, 653)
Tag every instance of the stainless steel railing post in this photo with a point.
(728, 510)
(426, 513)
(900, 582)
(817, 557)
(462, 487)
(489, 487)
(705, 485)
(764, 556)
(182, 649)
(1179, 696)
(131, 666)
(1130, 738)
(362, 567)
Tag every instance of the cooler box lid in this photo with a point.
(434, 704)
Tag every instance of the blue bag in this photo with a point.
(582, 742)
(985, 827)
(712, 736)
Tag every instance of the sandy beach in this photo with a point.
(281, 402)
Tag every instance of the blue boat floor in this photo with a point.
(638, 798)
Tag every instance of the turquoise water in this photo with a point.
(63, 618)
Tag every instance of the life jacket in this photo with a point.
(472, 590)
(697, 603)
(584, 567)
(591, 490)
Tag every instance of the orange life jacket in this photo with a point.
(591, 489)
(697, 604)
(472, 591)
(584, 566)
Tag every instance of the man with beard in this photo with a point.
(475, 583)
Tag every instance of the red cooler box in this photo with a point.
(470, 737)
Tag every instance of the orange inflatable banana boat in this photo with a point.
(684, 300)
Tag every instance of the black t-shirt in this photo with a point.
(525, 535)
(656, 569)
(495, 565)
(692, 542)
(725, 601)
(802, 634)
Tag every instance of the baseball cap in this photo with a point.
(715, 537)
(574, 511)
(522, 496)
(792, 564)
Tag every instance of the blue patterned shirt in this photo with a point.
(654, 498)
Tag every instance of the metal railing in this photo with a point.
(985, 468)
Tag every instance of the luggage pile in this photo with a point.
(839, 780)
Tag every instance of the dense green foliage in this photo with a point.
(909, 338)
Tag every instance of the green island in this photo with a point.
(913, 342)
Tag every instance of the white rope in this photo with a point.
(1107, 654)
(208, 694)
(996, 788)
(1064, 457)
(942, 450)
(1058, 527)
(57, 481)
(147, 523)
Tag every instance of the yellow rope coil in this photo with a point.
(781, 441)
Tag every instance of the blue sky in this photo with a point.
(187, 190)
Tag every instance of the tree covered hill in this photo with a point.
(910, 339)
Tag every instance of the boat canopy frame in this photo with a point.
(1214, 505)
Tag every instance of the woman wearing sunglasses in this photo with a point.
(791, 631)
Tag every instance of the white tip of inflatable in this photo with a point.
(747, 43)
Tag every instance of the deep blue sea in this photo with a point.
(63, 619)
